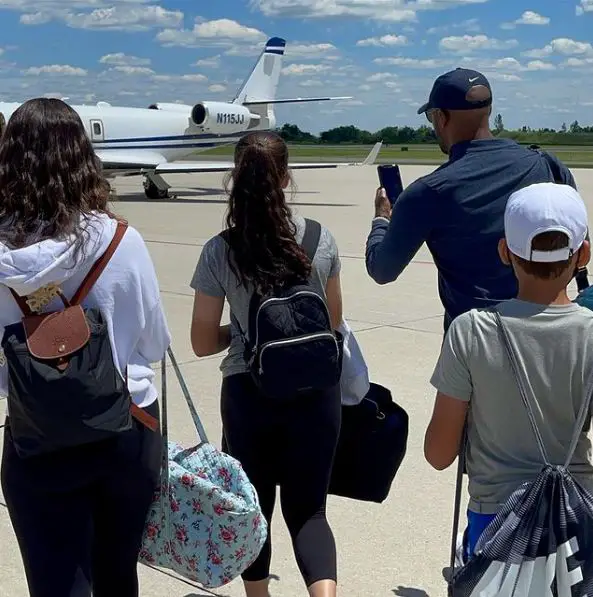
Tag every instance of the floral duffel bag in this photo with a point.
(205, 523)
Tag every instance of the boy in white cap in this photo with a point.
(545, 239)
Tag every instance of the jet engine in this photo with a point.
(220, 118)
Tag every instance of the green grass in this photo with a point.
(417, 154)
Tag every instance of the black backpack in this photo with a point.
(290, 346)
(63, 387)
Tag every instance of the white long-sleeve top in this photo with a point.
(127, 293)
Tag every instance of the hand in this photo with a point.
(382, 204)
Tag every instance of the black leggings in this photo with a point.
(293, 446)
(79, 514)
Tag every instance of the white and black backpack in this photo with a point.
(290, 346)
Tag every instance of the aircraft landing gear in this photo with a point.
(155, 187)
(153, 192)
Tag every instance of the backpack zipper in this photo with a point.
(294, 341)
(281, 299)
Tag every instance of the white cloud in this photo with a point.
(469, 25)
(211, 62)
(365, 87)
(121, 59)
(311, 83)
(413, 63)
(505, 77)
(540, 65)
(218, 32)
(584, 6)
(132, 70)
(194, 78)
(380, 10)
(578, 63)
(469, 43)
(529, 17)
(381, 77)
(384, 40)
(304, 69)
(56, 69)
(507, 65)
(305, 51)
(123, 15)
(563, 46)
(217, 88)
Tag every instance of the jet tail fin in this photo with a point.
(262, 83)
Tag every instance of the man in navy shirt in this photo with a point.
(458, 209)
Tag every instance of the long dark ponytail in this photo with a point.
(260, 230)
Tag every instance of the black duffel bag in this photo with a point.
(372, 445)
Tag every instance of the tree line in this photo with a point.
(573, 134)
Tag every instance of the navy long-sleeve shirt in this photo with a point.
(458, 211)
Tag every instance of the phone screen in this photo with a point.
(390, 179)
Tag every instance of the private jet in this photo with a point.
(151, 142)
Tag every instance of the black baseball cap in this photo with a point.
(450, 90)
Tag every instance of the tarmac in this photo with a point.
(399, 547)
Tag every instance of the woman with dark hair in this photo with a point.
(78, 512)
(268, 438)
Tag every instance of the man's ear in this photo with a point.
(503, 252)
(584, 254)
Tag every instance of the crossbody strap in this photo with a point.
(99, 265)
(527, 398)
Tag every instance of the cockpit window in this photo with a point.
(97, 128)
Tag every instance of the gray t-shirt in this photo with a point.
(555, 350)
(214, 277)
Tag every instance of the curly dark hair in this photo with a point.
(261, 233)
(50, 176)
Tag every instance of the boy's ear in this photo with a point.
(584, 254)
(503, 251)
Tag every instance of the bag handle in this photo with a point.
(165, 509)
(583, 412)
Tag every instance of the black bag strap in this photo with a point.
(311, 237)
(581, 275)
(310, 242)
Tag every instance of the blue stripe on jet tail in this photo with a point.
(275, 45)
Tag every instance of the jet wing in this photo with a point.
(224, 166)
(129, 159)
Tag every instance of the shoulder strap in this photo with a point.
(311, 237)
(90, 279)
(583, 413)
(554, 167)
(100, 264)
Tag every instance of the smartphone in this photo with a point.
(390, 179)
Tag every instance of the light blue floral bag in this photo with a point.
(205, 523)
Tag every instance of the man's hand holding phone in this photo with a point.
(382, 204)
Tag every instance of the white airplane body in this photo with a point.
(149, 141)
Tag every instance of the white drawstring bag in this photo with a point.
(354, 381)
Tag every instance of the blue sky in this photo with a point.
(538, 54)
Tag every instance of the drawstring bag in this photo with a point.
(540, 544)
(205, 523)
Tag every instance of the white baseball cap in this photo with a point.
(545, 207)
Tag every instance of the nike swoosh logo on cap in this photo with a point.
(474, 79)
